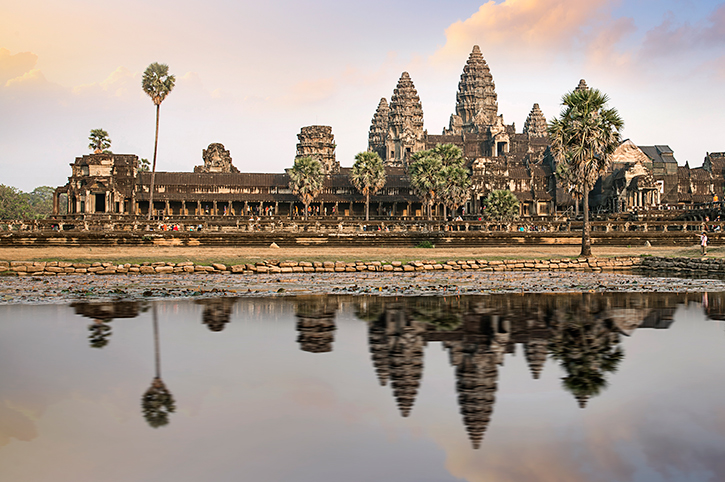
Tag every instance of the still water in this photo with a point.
(587, 387)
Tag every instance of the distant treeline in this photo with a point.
(16, 204)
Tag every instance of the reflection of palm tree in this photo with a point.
(157, 402)
(586, 348)
(316, 324)
(99, 332)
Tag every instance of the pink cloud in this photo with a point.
(524, 25)
(12, 66)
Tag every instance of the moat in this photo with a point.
(515, 387)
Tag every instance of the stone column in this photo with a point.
(276, 208)
(167, 208)
(55, 201)
(198, 208)
(214, 209)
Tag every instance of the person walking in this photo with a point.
(703, 243)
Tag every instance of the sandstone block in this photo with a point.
(219, 266)
(164, 269)
(147, 270)
(186, 269)
(262, 269)
(396, 264)
(54, 269)
(388, 267)
(285, 269)
(408, 267)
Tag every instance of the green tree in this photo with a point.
(368, 176)
(41, 201)
(100, 142)
(501, 205)
(99, 333)
(456, 186)
(306, 180)
(584, 136)
(143, 165)
(425, 177)
(157, 83)
(456, 179)
(14, 203)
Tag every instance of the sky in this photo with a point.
(250, 74)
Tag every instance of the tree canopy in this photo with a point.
(306, 179)
(368, 176)
(425, 177)
(100, 142)
(16, 204)
(501, 205)
(157, 83)
(439, 174)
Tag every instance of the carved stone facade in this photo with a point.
(379, 129)
(476, 101)
(216, 159)
(535, 125)
(499, 157)
(318, 142)
(405, 124)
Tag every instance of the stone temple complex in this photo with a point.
(497, 156)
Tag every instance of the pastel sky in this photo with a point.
(250, 74)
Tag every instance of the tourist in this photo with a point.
(703, 243)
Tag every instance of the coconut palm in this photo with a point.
(425, 177)
(501, 205)
(585, 136)
(100, 142)
(368, 176)
(306, 179)
(157, 83)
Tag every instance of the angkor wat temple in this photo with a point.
(499, 157)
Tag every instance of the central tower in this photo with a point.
(476, 102)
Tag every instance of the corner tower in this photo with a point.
(405, 128)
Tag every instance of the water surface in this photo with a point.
(585, 387)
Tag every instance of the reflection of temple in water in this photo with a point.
(102, 314)
(217, 312)
(316, 323)
(581, 331)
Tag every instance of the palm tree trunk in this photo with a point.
(157, 356)
(586, 235)
(153, 167)
(367, 207)
(307, 207)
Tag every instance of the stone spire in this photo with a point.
(476, 384)
(476, 101)
(582, 85)
(535, 125)
(378, 345)
(405, 342)
(379, 129)
(536, 351)
(217, 312)
(216, 159)
(319, 142)
(316, 325)
(405, 127)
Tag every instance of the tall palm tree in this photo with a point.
(451, 154)
(368, 176)
(100, 142)
(456, 186)
(425, 177)
(157, 402)
(306, 179)
(585, 136)
(157, 83)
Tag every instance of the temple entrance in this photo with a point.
(100, 203)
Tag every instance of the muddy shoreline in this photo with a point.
(67, 289)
